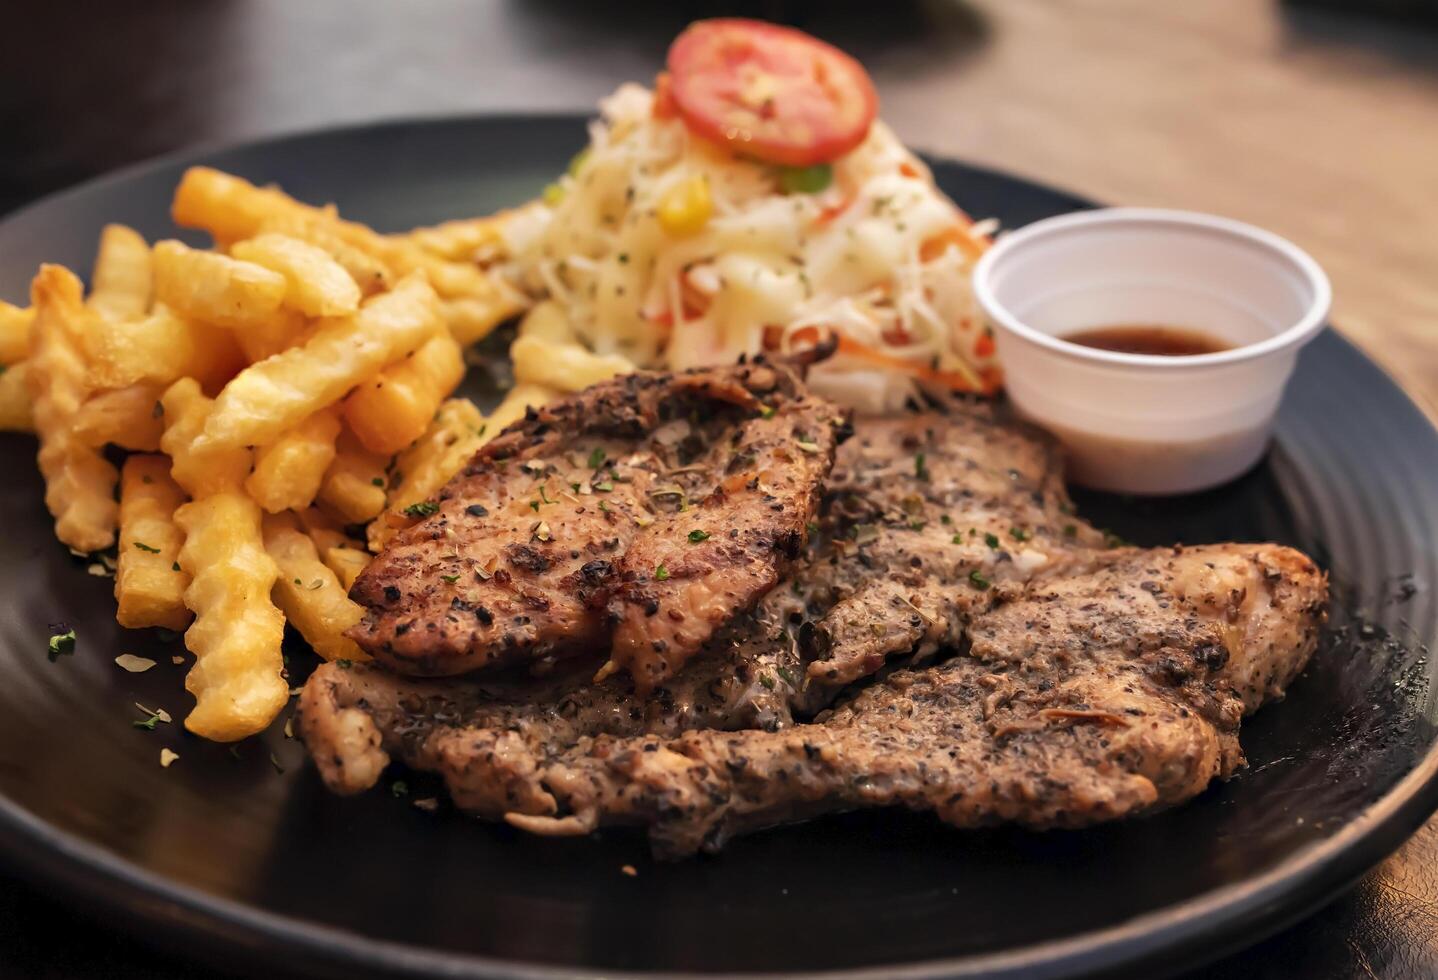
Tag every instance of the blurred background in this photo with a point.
(1318, 120)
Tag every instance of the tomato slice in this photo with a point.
(770, 92)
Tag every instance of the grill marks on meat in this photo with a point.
(521, 559)
(685, 577)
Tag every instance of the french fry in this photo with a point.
(346, 563)
(354, 486)
(316, 284)
(309, 593)
(288, 472)
(231, 208)
(79, 483)
(215, 288)
(518, 400)
(472, 318)
(280, 332)
(369, 273)
(130, 417)
(15, 324)
(158, 348)
(267, 398)
(201, 468)
(323, 529)
(565, 367)
(123, 279)
(547, 321)
(465, 239)
(457, 431)
(237, 630)
(15, 411)
(393, 410)
(149, 583)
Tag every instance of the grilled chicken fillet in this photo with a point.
(709, 477)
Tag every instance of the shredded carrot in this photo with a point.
(984, 346)
(971, 245)
(986, 382)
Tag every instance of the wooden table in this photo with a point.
(1321, 127)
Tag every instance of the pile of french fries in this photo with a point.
(284, 401)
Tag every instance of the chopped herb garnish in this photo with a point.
(810, 528)
(574, 487)
(697, 536)
(787, 677)
(1019, 534)
(917, 525)
(976, 578)
(623, 258)
(1070, 530)
(378, 481)
(603, 487)
(399, 788)
(344, 664)
(946, 519)
(806, 445)
(422, 509)
(864, 533)
(61, 644)
(921, 469)
(146, 548)
(298, 582)
(174, 566)
(661, 574)
(767, 681)
(767, 411)
(544, 497)
(534, 506)
(957, 539)
(604, 506)
(596, 458)
(805, 180)
(992, 540)
(451, 579)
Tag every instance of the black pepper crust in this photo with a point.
(526, 546)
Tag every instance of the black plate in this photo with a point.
(234, 858)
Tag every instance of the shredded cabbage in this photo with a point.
(880, 257)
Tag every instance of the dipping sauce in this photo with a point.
(1149, 339)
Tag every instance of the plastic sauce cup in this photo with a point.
(1144, 423)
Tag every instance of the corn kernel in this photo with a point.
(687, 206)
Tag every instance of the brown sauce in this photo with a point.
(1145, 339)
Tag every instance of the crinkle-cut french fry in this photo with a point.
(15, 324)
(464, 239)
(237, 630)
(369, 273)
(355, 486)
(309, 593)
(548, 321)
(201, 468)
(457, 431)
(232, 209)
(149, 583)
(15, 411)
(267, 398)
(317, 285)
(567, 367)
(393, 410)
(518, 400)
(323, 529)
(347, 563)
(158, 348)
(215, 288)
(288, 471)
(123, 279)
(79, 483)
(472, 318)
(282, 331)
(130, 417)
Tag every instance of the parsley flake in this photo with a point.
(596, 458)
(992, 540)
(921, 467)
(378, 481)
(62, 644)
(1019, 534)
(661, 574)
(697, 536)
(146, 548)
(977, 580)
(422, 509)
(451, 579)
